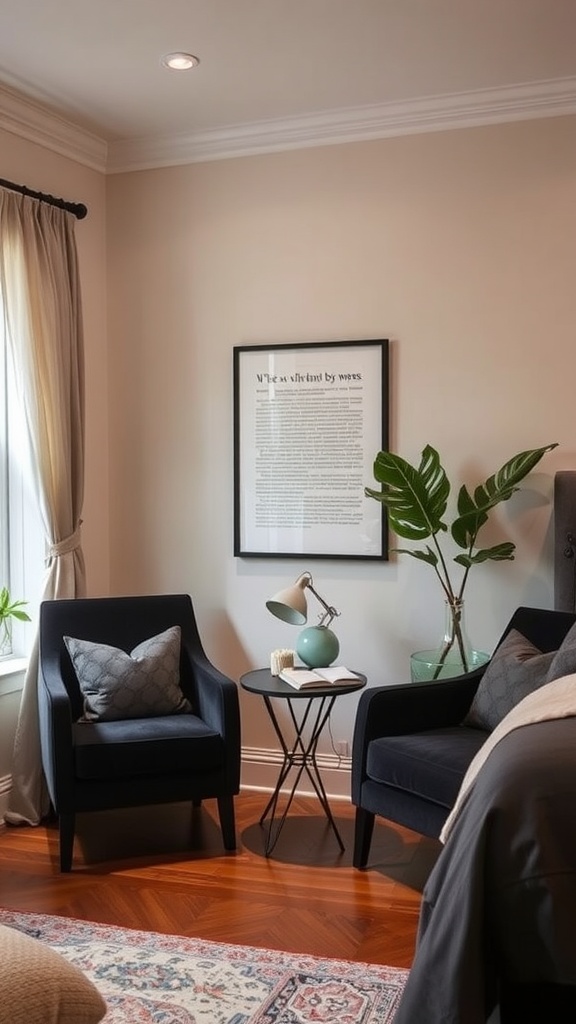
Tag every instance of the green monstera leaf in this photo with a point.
(416, 498)
(497, 553)
(473, 511)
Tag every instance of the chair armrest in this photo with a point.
(408, 708)
(413, 707)
(215, 701)
(55, 726)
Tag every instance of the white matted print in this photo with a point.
(309, 420)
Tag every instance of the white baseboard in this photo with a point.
(260, 768)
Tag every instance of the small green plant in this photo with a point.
(416, 499)
(9, 610)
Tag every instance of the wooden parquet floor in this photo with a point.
(163, 869)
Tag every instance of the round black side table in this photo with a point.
(300, 754)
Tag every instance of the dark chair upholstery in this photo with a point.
(410, 751)
(102, 765)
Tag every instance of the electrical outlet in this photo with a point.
(342, 748)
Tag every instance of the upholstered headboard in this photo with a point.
(565, 540)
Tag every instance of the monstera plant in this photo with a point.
(416, 499)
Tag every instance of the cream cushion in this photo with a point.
(38, 986)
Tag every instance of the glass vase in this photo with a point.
(454, 655)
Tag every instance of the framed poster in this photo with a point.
(309, 420)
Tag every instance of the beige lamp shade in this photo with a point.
(290, 604)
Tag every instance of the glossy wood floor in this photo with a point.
(163, 869)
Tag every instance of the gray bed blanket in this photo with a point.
(500, 902)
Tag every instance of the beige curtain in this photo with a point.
(42, 304)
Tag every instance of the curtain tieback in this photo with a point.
(64, 547)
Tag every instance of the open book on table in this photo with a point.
(308, 678)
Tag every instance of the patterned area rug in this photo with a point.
(148, 978)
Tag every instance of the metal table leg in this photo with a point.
(301, 756)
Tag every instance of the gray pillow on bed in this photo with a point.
(516, 669)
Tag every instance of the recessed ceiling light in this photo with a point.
(180, 61)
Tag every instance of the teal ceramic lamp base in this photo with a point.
(317, 646)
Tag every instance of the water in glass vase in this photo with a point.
(453, 656)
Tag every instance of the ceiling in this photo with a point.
(271, 63)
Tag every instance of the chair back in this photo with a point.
(122, 622)
(545, 628)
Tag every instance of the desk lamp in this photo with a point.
(317, 646)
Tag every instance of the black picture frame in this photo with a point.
(309, 419)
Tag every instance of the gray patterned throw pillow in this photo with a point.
(516, 669)
(116, 685)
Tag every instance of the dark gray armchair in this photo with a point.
(410, 751)
(100, 765)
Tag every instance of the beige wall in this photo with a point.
(459, 246)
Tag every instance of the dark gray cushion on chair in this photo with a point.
(116, 750)
(116, 685)
(516, 669)
(428, 764)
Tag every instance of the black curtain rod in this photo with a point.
(78, 209)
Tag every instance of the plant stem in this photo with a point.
(455, 604)
(455, 608)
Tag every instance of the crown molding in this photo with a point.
(436, 113)
(32, 121)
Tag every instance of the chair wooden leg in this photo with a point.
(227, 823)
(66, 827)
(363, 830)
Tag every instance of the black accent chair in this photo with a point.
(410, 752)
(103, 765)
